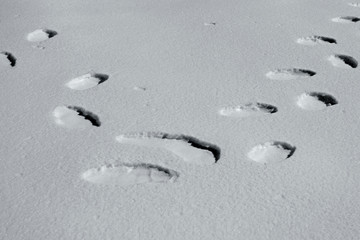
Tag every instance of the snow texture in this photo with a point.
(190, 149)
(129, 174)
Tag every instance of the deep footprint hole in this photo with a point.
(11, 58)
(93, 118)
(286, 146)
(196, 143)
(327, 99)
(327, 39)
(348, 60)
(50, 33)
(305, 71)
(102, 77)
(269, 108)
(152, 166)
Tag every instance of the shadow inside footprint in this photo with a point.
(343, 61)
(190, 149)
(286, 146)
(196, 143)
(11, 59)
(50, 33)
(94, 119)
(102, 77)
(130, 174)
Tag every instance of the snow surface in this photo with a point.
(248, 110)
(40, 35)
(86, 81)
(172, 65)
(128, 174)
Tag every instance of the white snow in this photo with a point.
(71, 170)
(248, 110)
(342, 61)
(127, 174)
(354, 4)
(315, 101)
(270, 152)
(315, 40)
(69, 117)
(40, 35)
(177, 144)
(345, 19)
(7, 59)
(289, 74)
(86, 81)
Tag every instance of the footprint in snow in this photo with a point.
(87, 81)
(314, 101)
(129, 174)
(315, 40)
(289, 74)
(346, 19)
(7, 59)
(354, 4)
(40, 35)
(271, 152)
(188, 148)
(75, 117)
(248, 110)
(343, 61)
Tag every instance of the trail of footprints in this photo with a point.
(190, 149)
(195, 151)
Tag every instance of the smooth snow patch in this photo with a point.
(271, 152)
(129, 174)
(314, 101)
(75, 117)
(315, 40)
(87, 81)
(7, 59)
(137, 88)
(343, 61)
(346, 19)
(188, 148)
(40, 35)
(354, 4)
(247, 110)
(289, 74)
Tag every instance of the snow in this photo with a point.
(128, 174)
(271, 152)
(191, 150)
(172, 66)
(87, 81)
(289, 74)
(343, 61)
(314, 101)
(248, 110)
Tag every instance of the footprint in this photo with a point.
(248, 110)
(190, 149)
(354, 4)
(271, 152)
(75, 117)
(289, 74)
(87, 81)
(314, 101)
(7, 59)
(315, 40)
(129, 174)
(40, 35)
(346, 19)
(343, 61)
